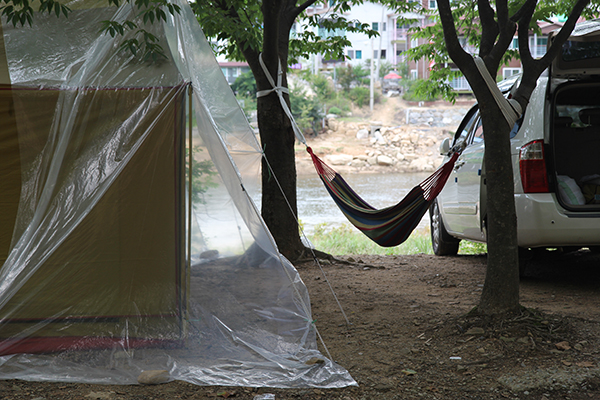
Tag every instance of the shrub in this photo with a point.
(359, 95)
(306, 111)
(335, 110)
(418, 90)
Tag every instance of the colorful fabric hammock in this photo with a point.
(389, 226)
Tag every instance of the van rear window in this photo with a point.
(577, 50)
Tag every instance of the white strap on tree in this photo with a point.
(511, 109)
(280, 90)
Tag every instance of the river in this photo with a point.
(315, 206)
(222, 228)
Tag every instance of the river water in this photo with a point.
(315, 206)
(222, 227)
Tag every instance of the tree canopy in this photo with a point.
(140, 40)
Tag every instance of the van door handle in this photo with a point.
(458, 164)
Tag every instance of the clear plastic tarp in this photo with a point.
(113, 261)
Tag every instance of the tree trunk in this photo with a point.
(279, 210)
(279, 214)
(501, 289)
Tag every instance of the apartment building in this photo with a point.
(395, 38)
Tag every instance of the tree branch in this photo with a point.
(489, 27)
(519, 14)
(302, 7)
(455, 50)
(507, 30)
(526, 12)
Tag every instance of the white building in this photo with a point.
(386, 47)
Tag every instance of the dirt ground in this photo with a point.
(408, 334)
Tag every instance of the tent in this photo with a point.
(114, 259)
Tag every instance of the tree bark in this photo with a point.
(279, 201)
(501, 288)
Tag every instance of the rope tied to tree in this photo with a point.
(511, 109)
(280, 90)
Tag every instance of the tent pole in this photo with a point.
(190, 205)
(190, 160)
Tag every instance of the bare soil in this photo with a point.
(410, 333)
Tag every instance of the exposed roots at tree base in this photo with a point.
(529, 326)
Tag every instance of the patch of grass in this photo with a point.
(467, 247)
(346, 240)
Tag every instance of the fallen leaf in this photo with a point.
(563, 346)
(409, 372)
(475, 331)
(586, 364)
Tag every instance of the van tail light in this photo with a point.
(533, 168)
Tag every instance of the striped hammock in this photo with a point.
(389, 226)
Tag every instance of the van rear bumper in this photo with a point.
(542, 222)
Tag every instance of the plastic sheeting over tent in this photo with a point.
(96, 229)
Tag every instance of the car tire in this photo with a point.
(443, 244)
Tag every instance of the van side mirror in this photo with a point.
(445, 146)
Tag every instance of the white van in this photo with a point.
(555, 157)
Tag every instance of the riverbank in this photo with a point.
(396, 137)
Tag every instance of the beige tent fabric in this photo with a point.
(117, 262)
(10, 169)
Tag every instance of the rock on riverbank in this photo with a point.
(410, 143)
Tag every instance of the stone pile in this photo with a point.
(404, 148)
(434, 117)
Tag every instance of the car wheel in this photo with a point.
(443, 244)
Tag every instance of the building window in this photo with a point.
(460, 84)
(375, 54)
(294, 30)
(508, 72)
(414, 42)
(358, 54)
(384, 26)
(383, 54)
(327, 33)
(538, 46)
(432, 4)
(351, 54)
(514, 45)
(414, 74)
(375, 26)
